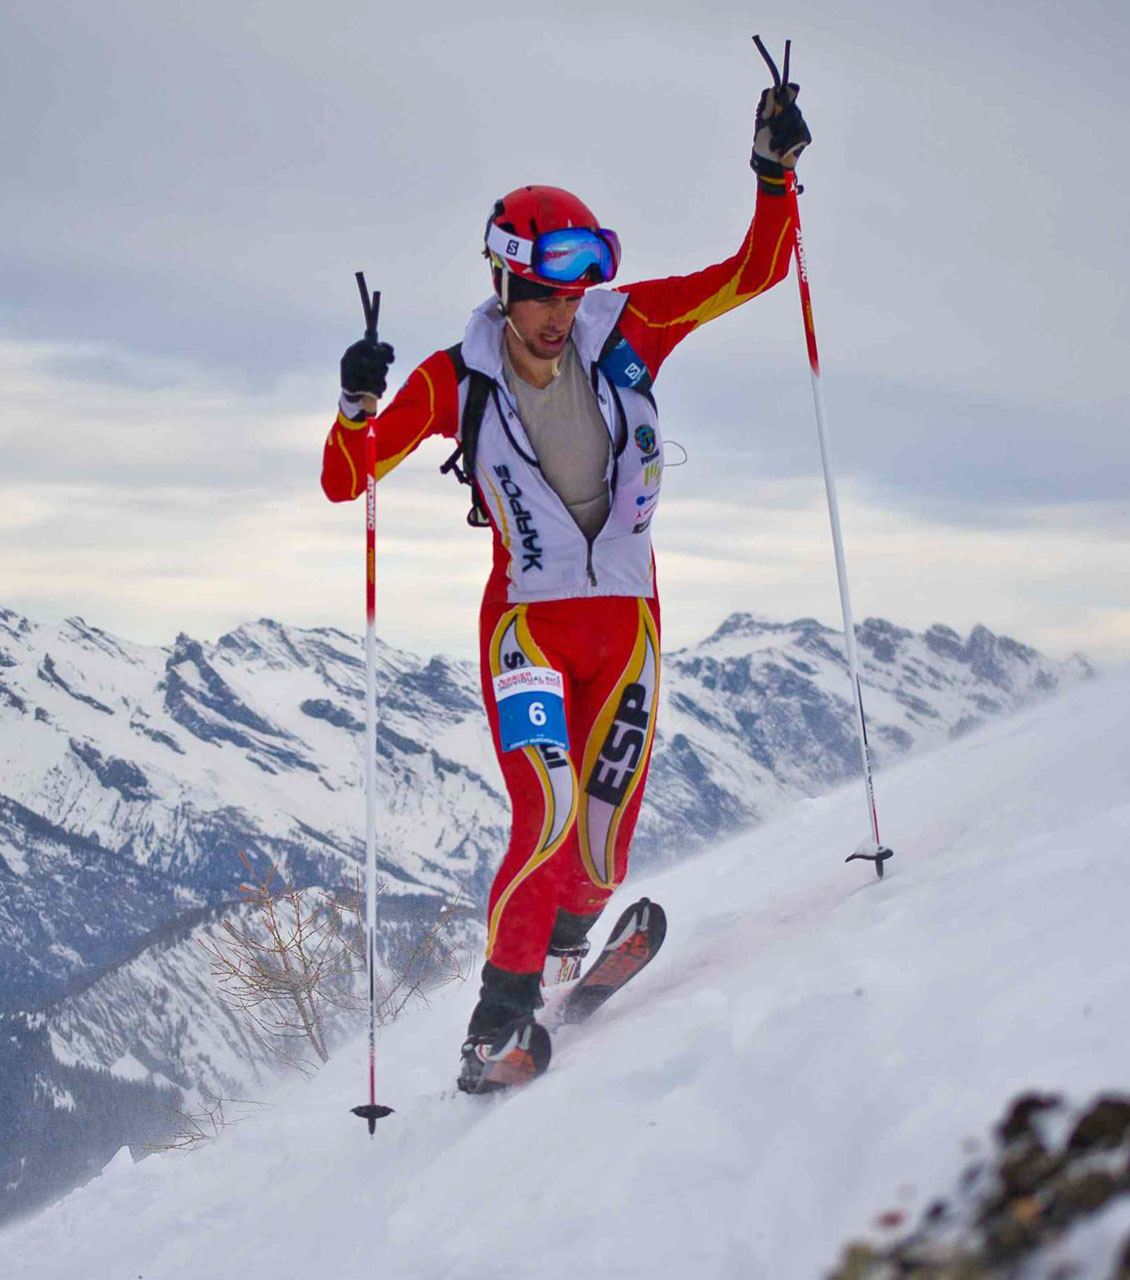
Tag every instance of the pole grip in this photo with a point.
(802, 274)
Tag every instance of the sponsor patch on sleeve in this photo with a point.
(623, 368)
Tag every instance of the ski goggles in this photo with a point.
(564, 256)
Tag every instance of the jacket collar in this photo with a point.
(595, 320)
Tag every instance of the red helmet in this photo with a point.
(521, 248)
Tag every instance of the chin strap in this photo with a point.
(504, 311)
(555, 366)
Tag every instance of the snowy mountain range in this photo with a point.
(133, 776)
(816, 1057)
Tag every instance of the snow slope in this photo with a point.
(812, 1046)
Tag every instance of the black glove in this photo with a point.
(779, 136)
(364, 368)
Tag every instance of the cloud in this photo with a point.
(204, 183)
(160, 504)
(1055, 579)
(197, 186)
(136, 425)
(201, 544)
(939, 450)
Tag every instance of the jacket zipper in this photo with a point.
(594, 374)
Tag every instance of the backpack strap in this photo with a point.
(455, 355)
(478, 392)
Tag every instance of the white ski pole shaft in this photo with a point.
(371, 744)
(873, 849)
(373, 1111)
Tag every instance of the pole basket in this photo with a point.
(868, 851)
(373, 1111)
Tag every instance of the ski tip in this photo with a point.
(656, 925)
(632, 945)
(653, 919)
(643, 915)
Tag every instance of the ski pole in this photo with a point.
(870, 849)
(373, 1111)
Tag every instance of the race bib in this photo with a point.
(531, 708)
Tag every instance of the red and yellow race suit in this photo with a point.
(585, 607)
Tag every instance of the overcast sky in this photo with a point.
(187, 195)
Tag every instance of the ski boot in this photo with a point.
(563, 964)
(510, 1057)
(568, 947)
(504, 1045)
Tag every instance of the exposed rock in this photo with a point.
(1010, 1211)
(1104, 1126)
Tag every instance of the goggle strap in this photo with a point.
(508, 245)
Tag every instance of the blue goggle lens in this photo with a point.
(576, 253)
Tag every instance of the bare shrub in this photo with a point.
(192, 1129)
(295, 964)
(284, 962)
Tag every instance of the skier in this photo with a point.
(549, 396)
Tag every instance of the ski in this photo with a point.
(520, 1053)
(633, 943)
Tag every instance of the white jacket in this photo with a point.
(549, 557)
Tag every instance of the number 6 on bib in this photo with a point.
(531, 708)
